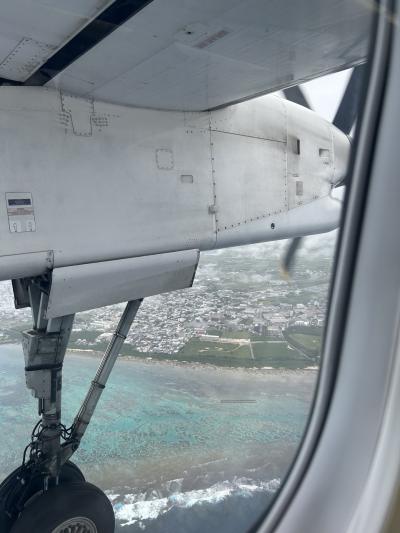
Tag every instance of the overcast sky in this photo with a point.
(324, 94)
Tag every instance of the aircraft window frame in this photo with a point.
(353, 212)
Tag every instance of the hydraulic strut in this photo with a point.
(85, 413)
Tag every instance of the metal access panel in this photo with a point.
(83, 287)
(250, 178)
(310, 157)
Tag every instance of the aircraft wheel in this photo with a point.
(71, 508)
(70, 472)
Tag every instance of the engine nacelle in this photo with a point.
(84, 181)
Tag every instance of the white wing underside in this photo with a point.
(184, 55)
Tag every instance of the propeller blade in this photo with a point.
(346, 113)
(289, 255)
(296, 95)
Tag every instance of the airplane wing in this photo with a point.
(176, 55)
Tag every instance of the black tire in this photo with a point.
(69, 473)
(73, 502)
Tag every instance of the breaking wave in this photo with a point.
(142, 507)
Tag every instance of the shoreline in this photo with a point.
(94, 354)
(149, 360)
(170, 432)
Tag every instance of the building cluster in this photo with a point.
(165, 323)
(240, 295)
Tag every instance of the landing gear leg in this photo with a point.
(44, 350)
(47, 479)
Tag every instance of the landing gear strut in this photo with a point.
(48, 493)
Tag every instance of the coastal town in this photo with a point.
(238, 294)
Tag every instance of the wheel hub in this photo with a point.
(78, 524)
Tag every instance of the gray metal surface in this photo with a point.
(38, 30)
(110, 182)
(95, 285)
(295, 222)
(22, 265)
(199, 55)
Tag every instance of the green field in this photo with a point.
(196, 348)
(265, 353)
(306, 339)
(235, 334)
(278, 355)
(311, 342)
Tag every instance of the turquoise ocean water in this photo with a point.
(175, 447)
